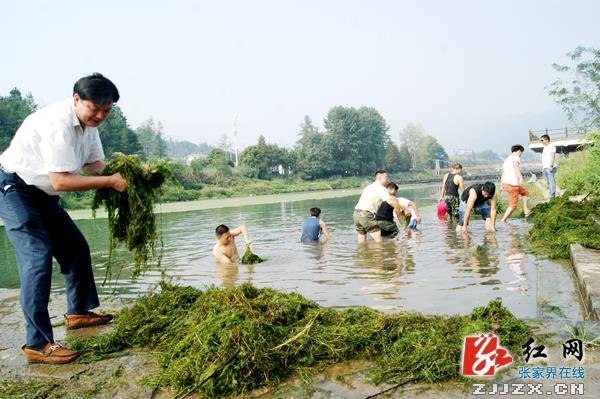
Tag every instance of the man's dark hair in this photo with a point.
(392, 185)
(457, 166)
(315, 211)
(97, 89)
(545, 136)
(489, 188)
(221, 229)
(380, 172)
(517, 147)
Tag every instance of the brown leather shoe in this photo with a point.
(86, 320)
(53, 353)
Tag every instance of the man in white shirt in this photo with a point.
(549, 164)
(512, 181)
(368, 204)
(45, 158)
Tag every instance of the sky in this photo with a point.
(473, 73)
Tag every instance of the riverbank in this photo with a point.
(131, 372)
(186, 206)
(241, 187)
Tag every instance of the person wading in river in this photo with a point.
(475, 198)
(225, 250)
(385, 213)
(451, 184)
(313, 227)
(44, 159)
(368, 204)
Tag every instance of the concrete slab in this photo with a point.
(586, 263)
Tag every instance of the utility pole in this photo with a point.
(235, 140)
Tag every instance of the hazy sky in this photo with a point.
(472, 72)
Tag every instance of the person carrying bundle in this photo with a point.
(44, 159)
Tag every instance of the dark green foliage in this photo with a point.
(131, 213)
(579, 92)
(559, 223)
(249, 258)
(117, 136)
(357, 137)
(14, 108)
(226, 342)
(391, 160)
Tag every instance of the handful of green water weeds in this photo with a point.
(250, 258)
(131, 218)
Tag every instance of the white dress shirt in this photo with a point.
(51, 140)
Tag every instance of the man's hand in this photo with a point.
(465, 228)
(119, 184)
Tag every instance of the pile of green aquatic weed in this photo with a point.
(131, 216)
(250, 258)
(560, 222)
(226, 342)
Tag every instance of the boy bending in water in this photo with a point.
(225, 250)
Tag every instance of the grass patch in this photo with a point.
(226, 342)
(560, 222)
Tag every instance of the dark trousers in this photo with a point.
(40, 229)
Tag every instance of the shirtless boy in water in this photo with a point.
(225, 250)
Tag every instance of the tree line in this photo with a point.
(147, 141)
(354, 142)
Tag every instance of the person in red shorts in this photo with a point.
(512, 181)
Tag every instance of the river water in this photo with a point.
(435, 270)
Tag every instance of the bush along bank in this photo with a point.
(226, 342)
(560, 222)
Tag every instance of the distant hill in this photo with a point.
(181, 149)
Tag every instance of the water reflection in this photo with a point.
(433, 270)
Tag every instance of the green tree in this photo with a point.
(307, 127)
(405, 161)
(256, 159)
(218, 167)
(429, 151)
(183, 148)
(314, 158)
(411, 137)
(117, 136)
(151, 138)
(14, 108)
(358, 138)
(579, 92)
(391, 160)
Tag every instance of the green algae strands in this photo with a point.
(560, 222)
(227, 342)
(249, 258)
(131, 218)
